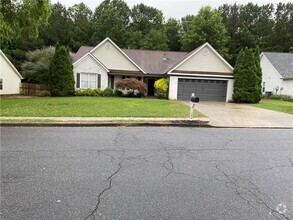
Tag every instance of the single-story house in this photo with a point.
(203, 71)
(10, 78)
(277, 73)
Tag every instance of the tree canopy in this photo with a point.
(17, 15)
(229, 28)
(207, 26)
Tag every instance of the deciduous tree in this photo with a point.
(16, 15)
(173, 29)
(207, 26)
(111, 19)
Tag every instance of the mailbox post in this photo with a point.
(194, 100)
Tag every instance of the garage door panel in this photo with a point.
(207, 90)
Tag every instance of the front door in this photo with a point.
(151, 89)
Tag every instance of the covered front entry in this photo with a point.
(206, 90)
(151, 88)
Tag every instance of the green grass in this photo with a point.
(93, 107)
(276, 105)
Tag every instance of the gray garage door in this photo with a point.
(206, 90)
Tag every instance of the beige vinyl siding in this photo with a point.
(112, 58)
(204, 60)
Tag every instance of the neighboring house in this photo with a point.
(202, 71)
(277, 73)
(10, 78)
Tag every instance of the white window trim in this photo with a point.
(87, 87)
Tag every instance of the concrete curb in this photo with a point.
(194, 123)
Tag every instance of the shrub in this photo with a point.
(280, 97)
(108, 92)
(61, 73)
(37, 67)
(141, 95)
(89, 92)
(162, 86)
(118, 93)
(132, 84)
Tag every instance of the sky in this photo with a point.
(171, 8)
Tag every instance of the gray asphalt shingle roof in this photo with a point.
(151, 61)
(283, 62)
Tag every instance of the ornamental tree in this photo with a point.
(61, 77)
(132, 84)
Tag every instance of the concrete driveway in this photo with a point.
(223, 114)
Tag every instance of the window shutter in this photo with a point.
(99, 80)
(78, 80)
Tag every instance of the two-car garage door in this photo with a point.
(206, 90)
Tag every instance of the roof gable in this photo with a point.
(93, 58)
(10, 64)
(203, 59)
(282, 62)
(113, 57)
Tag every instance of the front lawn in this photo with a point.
(276, 105)
(93, 107)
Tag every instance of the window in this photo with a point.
(1, 84)
(263, 87)
(88, 80)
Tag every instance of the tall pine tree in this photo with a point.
(61, 73)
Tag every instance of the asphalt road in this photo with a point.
(146, 173)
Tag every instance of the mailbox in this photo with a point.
(195, 99)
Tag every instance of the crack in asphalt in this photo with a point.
(109, 179)
(250, 193)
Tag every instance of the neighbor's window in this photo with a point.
(1, 84)
(89, 80)
(263, 87)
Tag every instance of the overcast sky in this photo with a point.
(171, 8)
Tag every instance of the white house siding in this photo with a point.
(271, 77)
(10, 79)
(89, 65)
(173, 85)
(287, 87)
(204, 61)
(112, 58)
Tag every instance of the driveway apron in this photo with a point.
(223, 114)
